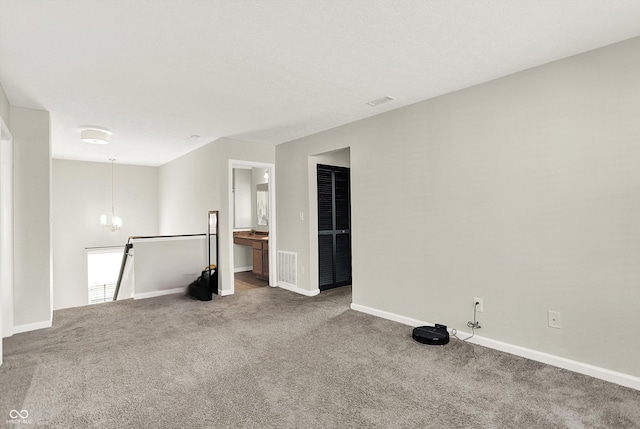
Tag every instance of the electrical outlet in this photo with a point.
(554, 319)
(302, 269)
(480, 307)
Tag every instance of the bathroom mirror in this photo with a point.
(242, 199)
(250, 198)
(262, 203)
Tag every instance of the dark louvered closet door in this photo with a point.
(334, 227)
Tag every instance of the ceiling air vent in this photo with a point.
(380, 101)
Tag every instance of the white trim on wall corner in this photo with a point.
(31, 327)
(159, 293)
(549, 359)
(298, 290)
(225, 292)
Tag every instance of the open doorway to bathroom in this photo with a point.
(251, 205)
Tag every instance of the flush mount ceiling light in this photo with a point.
(380, 101)
(95, 135)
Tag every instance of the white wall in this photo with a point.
(242, 198)
(81, 193)
(188, 189)
(195, 183)
(6, 222)
(32, 207)
(167, 265)
(339, 158)
(6, 230)
(523, 191)
(5, 107)
(242, 258)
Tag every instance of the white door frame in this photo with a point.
(233, 163)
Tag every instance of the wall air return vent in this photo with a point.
(287, 268)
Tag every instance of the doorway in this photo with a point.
(334, 226)
(252, 225)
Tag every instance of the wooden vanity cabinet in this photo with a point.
(261, 258)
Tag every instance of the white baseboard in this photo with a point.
(158, 293)
(31, 327)
(389, 316)
(298, 290)
(225, 292)
(242, 269)
(549, 359)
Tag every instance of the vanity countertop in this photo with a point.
(239, 236)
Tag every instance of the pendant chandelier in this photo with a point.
(116, 222)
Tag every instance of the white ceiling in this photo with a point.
(268, 71)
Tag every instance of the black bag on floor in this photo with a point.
(202, 288)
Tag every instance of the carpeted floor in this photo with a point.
(269, 358)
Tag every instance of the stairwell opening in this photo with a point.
(103, 267)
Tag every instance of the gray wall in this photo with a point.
(5, 107)
(6, 287)
(32, 206)
(199, 181)
(242, 199)
(81, 193)
(188, 188)
(167, 265)
(523, 191)
(339, 158)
